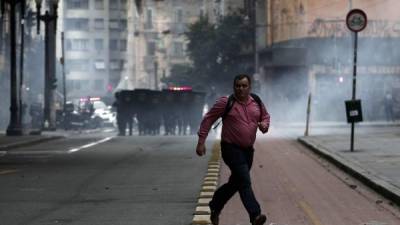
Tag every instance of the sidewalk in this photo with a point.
(375, 159)
(11, 142)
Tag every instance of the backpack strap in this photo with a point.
(259, 102)
(231, 101)
(228, 107)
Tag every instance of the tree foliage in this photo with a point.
(216, 52)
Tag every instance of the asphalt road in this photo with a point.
(81, 181)
(91, 179)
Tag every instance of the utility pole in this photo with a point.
(50, 21)
(22, 109)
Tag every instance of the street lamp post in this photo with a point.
(50, 21)
(253, 21)
(14, 128)
(155, 74)
(64, 78)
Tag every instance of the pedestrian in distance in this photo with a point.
(388, 102)
(242, 113)
(120, 119)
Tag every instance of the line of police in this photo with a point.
(179, 112)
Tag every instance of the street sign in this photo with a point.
(353, 111)
(356, 20)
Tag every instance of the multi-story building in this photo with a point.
(159, 34)
(96, 45)
(114, 45)
(159, 38)
(310, 50)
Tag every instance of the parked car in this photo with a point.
(104, 112)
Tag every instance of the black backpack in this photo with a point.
(229, 105)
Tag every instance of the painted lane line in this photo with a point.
(90, 145)
(310, 213)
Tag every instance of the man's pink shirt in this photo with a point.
(240, 125)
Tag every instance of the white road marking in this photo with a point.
(90, 145)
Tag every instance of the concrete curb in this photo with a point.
(369, 178)
(6, 147)
(210, 183)
(339, 125)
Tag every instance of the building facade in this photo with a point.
(160, 40)
(96, 45)
(111, 45)
(310, 50)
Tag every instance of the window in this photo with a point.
(99, 44)
(177, 49)
(124, 5)
(77, 44)
(81, 24)
(81, 65)
(179, 15)
(76, 84)
(123, 64)
(114, 25)
(117, 64)
(99, 4)
(123, 45)
(202, 12)
(123, 24)
(99, 64)
(98, 24)
(113, 45)
(149, 19)
(77, 4)
(151, 48)
(113, 5)
(99, 85)
(118, 24)
(84, 83)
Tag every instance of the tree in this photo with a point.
(180, 75)
(216, 50)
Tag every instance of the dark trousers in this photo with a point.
(239, 160)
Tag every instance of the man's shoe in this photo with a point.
(214, 217)
(259, 220)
